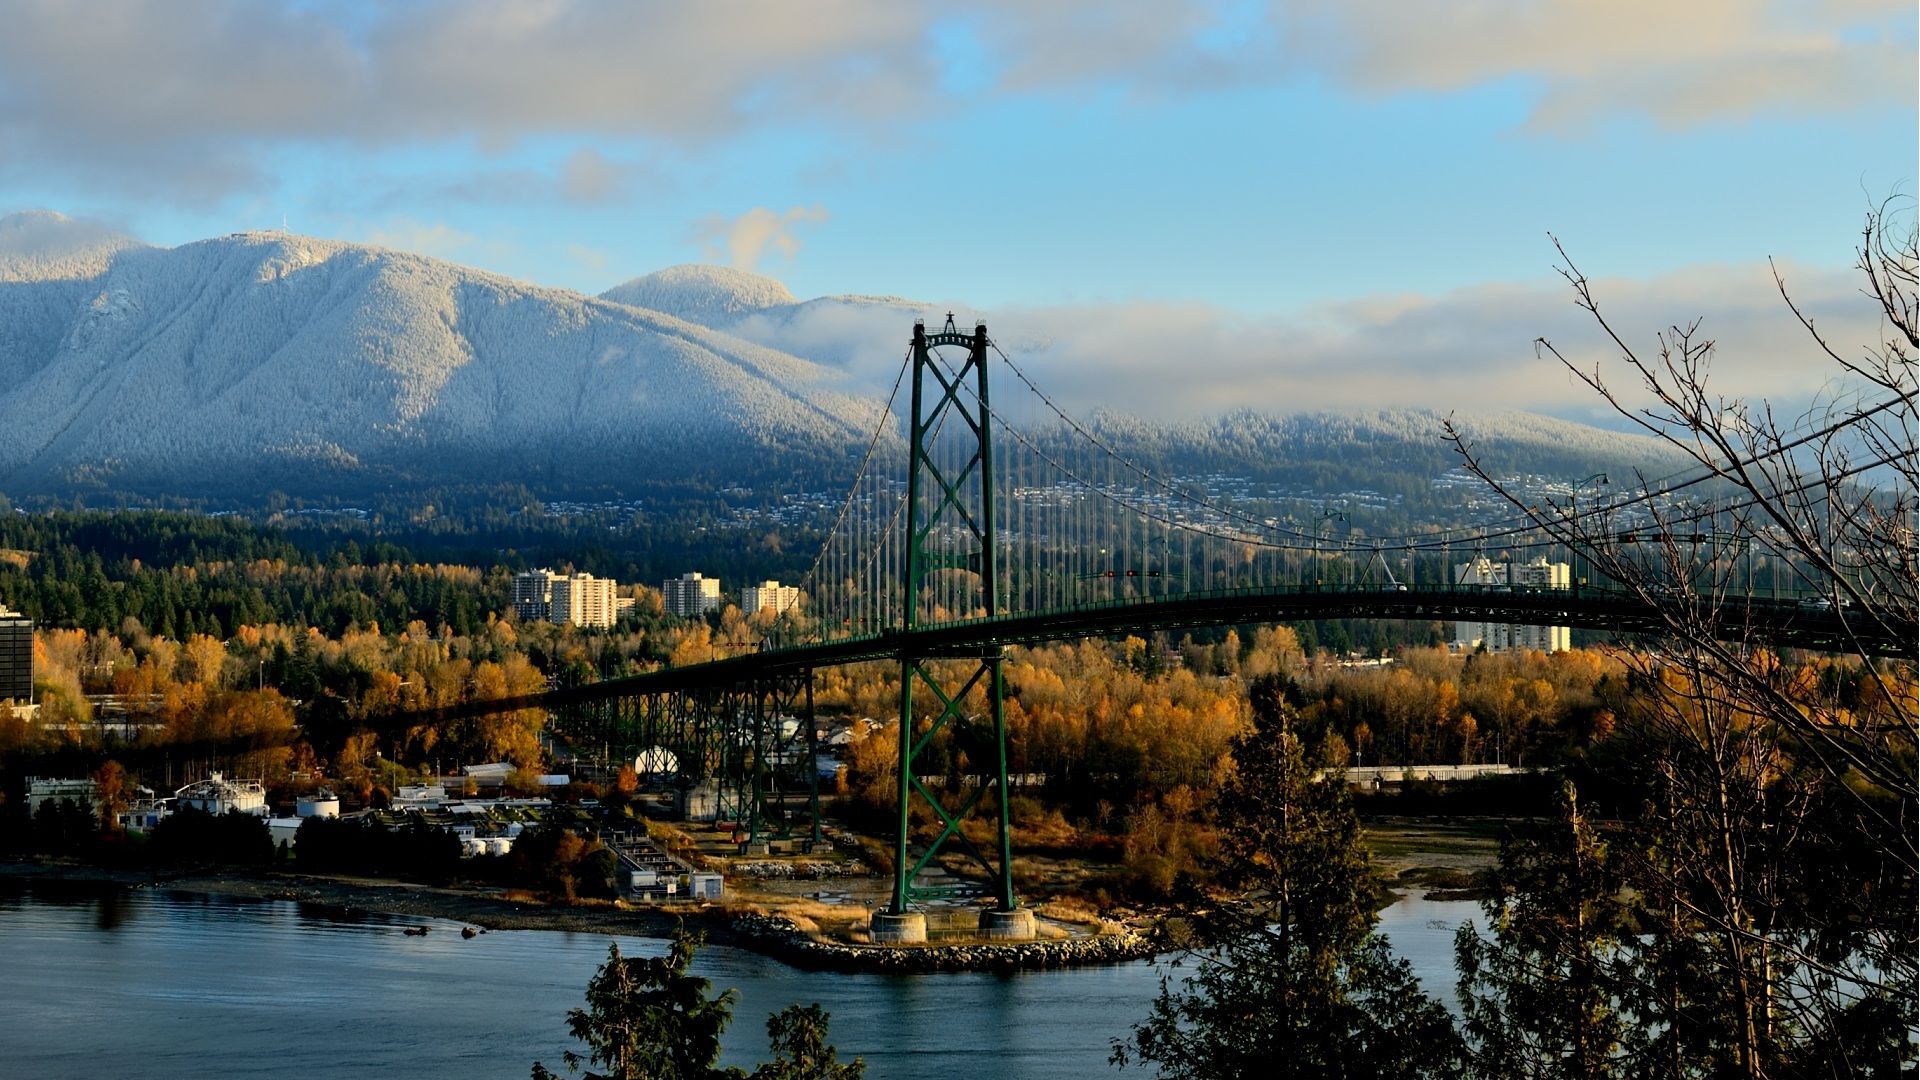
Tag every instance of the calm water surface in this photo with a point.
(162, 985)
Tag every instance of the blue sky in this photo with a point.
(1300, 160)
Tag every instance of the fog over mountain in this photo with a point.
(264, 361)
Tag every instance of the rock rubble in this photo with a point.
(780, 938)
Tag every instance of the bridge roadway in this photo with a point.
(1784, 622)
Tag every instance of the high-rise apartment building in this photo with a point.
(583, 600)
(690, 594)
(769, 595)
(533, 593)
(16, 657)
(1504, 637)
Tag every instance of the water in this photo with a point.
(158, 984)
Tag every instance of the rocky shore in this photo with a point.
(780, 938)
(797, 870)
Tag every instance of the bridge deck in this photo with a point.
(1787, 622)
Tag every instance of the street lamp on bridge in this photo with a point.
(1573, 524)
(1326, 517)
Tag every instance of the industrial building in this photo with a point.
(216, 795)
(1507, 637)
(46, 790)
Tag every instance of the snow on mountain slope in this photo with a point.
(709, 296)
(40, 245)
(862, 335)
(47, 265)
(245, 361)
(265, 361)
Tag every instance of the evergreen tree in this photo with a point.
(649, 1019)
(800, 1048)
(1290, 978)
(1538, 996)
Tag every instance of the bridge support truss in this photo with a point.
(744, 752)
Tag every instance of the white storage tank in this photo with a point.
(499, 845)
(473, 846)
(656, 761)
(319, 804)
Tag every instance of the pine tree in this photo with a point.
(650, 1019)
(1290, 977)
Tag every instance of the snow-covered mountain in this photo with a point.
(265, 360)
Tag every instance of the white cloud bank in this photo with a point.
(1471, 349)
(186, 94)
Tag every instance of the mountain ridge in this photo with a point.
(265, 360)
(346, 358)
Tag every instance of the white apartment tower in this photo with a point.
(690, 594)
(583, 600)
(769, 595)
(1504, 637)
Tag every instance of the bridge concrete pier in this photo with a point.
(1015, 925)
(897, 928)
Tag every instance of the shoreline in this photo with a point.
(771, 936)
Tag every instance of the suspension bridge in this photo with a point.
(976, 522)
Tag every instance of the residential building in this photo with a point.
(583, 600)
(16, 657)
(1505, 637)
(769, 595)
(690, 594)
(533, 594)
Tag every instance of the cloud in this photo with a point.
(591, 259)
(190, 96)
(47, 234)
(591, 178)
(196, 90)
(1682, 64)
(744, 240)
(1469, 350)
(41, 245)
(437, 239)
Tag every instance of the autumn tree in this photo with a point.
(110, 793)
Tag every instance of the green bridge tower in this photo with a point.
(951, 572)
